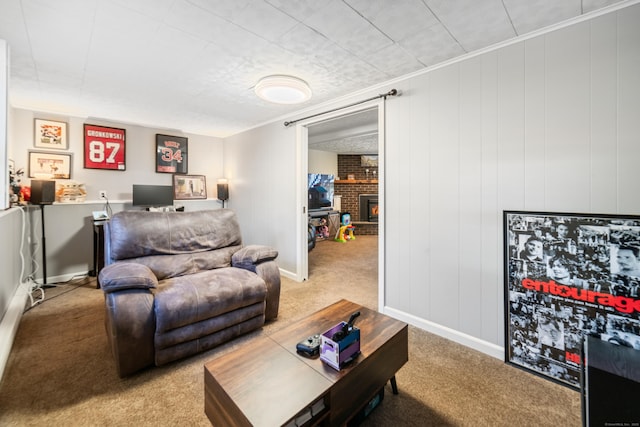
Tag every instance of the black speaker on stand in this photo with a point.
(223, 190)
(43, 193)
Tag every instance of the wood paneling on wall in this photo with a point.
(546, 124)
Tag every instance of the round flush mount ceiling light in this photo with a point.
(283, 90)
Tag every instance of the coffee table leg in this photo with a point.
(394, 385)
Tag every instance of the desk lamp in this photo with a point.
(223, 190)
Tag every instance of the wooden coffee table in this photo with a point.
(266, 383)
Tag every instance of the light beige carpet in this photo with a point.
(60, 371)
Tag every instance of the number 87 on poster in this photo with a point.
(104, 147)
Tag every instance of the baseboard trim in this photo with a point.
(289, 275)
(482, 346)
(62, 278)
(10, 322)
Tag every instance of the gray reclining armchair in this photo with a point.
(179, 283)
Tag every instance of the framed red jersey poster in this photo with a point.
(104, 147)
(171, 154)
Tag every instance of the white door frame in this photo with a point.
(302, 149)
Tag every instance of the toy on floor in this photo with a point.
(345, 233)
(323, 229)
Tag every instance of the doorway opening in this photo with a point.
(350, 147)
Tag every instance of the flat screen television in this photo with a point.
(152, 195)
(320, 191)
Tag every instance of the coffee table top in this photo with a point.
(376, 329)
(265, 382)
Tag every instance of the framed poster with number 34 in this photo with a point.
(171, 154)
(104, 147)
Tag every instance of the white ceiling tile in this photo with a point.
(14, 31)
(264, 20)
(56, 39)
(591, 5)
(195, 20)
(238, 42)
(191, 64)
(531, 15)
(298, 9)
(488, 24)
(339, 23)
(394, 60)
(432, 45)
(172, 51)
(401, 20)
(303, 40)
(227, 9)
(366, 144)
(12, 24)
(77, 8)
(154, 9)
(119, 42)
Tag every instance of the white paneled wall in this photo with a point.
(628, 109)
(260, 165)
(567, 103)
(548, 124)
(604, 112)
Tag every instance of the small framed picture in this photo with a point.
(187, 187)
(351, 177)
(50, 134)
(171, 154)
(104, 147)
(369, 161)
(49, 165)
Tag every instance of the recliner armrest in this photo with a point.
(261, 260)
(250, 256)
(126, 275)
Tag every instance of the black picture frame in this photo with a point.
(568, 275)
(172, 154)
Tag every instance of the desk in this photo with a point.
(98, 249)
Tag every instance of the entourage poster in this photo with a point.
(568, 275)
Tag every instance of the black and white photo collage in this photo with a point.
(569, 275)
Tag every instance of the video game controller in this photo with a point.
(338, 336)
(309, 347)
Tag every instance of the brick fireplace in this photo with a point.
(368, 207)
(351, 189)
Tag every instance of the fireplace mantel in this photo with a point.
(356, 181)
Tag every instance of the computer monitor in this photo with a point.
(152, 195)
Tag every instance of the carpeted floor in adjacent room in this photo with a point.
(60, 371)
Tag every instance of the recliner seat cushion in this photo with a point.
(195, 297)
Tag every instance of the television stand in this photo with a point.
(331, 216)
(319, 213)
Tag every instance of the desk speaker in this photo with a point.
(43, 192)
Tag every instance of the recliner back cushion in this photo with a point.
(167, 266)
(135, 234)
